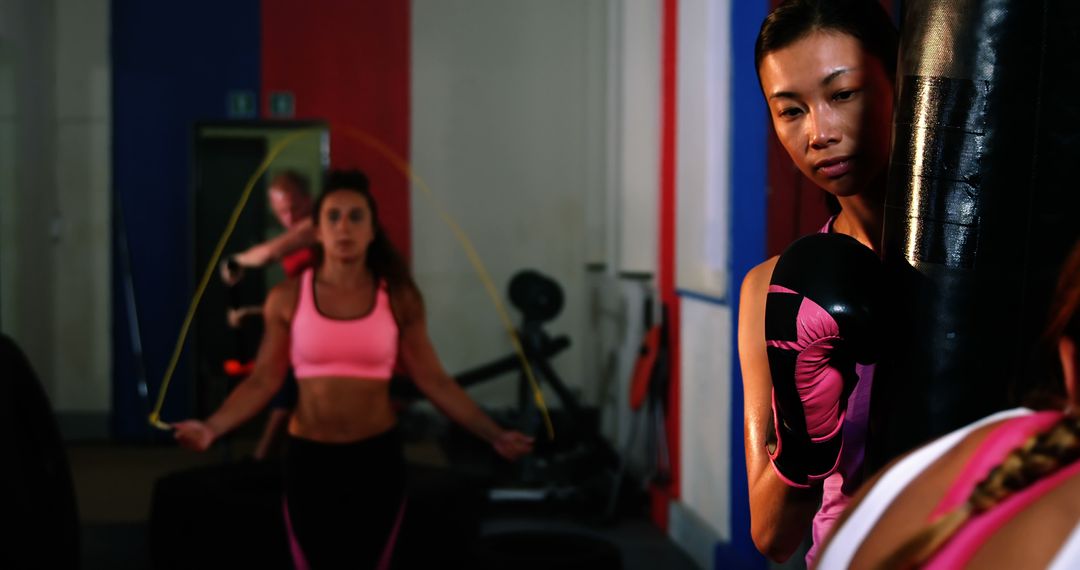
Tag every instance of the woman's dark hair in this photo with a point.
(1065, 310)
(1044, 387)
(383, 258)
(865, 20)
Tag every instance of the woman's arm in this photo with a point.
(780, 515)
(257, 390)
(424, 366)
(235, 317)
(300, 235)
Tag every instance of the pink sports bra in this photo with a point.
(1018, 425)
(364, 347)
(963, 546)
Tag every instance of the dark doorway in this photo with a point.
(223, 167)
(226, 156)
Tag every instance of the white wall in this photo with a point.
(702, 517)
(705, 423)
(637, 140)
(623, 215)
(10, 228)
(630, 213)
(82, 298)
(703, 146)
(27, 196)
(54, 195)
(617, 328)
(505, 122)
(600, 192)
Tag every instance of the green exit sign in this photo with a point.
(282, 105)
(241, 104)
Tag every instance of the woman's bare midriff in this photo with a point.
(342, 410)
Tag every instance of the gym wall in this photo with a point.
(347, 63)
(720, 196)
(505, 129)
(54, 200)
(700, 519)
(164, 81)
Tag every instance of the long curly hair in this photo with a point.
(383, 259)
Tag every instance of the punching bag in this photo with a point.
(980, 208)
(37, 494)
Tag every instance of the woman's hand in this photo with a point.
(232, 271)
(194, 435)
(512, 444)
(235, 317)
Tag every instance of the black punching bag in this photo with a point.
(37, 495)
(981, 208)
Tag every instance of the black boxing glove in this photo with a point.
(820, 320)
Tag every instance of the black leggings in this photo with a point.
(345, 500)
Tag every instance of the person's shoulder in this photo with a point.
(974, 434)
(756, 282)
(406, 302)
(755, 287)
(955, 449)
(290, 286)
(283, 297)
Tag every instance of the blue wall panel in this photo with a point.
(173, 63)
(748, 181)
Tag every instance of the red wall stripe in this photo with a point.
(668, 125)
(795, 206)
(348, 62)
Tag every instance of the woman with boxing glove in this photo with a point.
(1002, 492)
(806, 331)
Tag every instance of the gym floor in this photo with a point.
(114, 485)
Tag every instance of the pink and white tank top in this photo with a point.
(320, 346)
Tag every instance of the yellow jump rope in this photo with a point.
(405, 168)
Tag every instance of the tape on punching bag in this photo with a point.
(980, 208)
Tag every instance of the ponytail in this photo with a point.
(1040, 456)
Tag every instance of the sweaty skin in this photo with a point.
(831, 107)
(333, 409)
(1029, 540)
